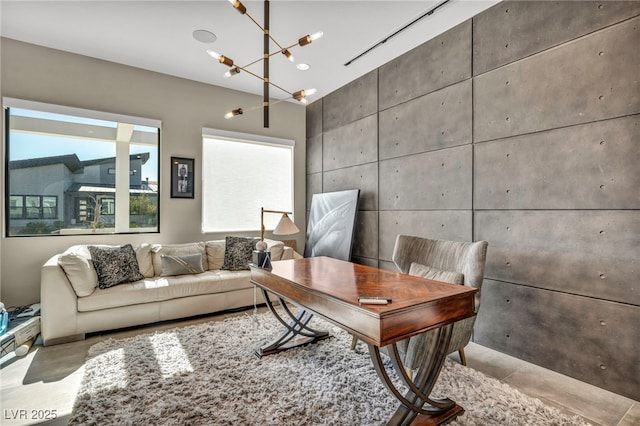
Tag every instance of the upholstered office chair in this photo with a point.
(447, 261)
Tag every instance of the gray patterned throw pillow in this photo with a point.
(238, 253)
(115, 265)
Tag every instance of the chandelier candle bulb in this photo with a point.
(233, 113)
(288, 54)
(214, 55)
(233, 71)
(239, 6)
(301, 95)
(221, 58)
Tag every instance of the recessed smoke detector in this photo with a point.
(303, 67)
(204, 36)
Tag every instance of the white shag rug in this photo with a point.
(207, 374)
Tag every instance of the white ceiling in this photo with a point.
(157, 35)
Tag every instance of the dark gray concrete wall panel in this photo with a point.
(314, 154)
(365, 261)
(590, 166)
(438, 120)
(351, 102)
(437, 180)
(352, 144)
(314, 118)
(314, 186)
(502, 34)
(387, 266)
(590, 339)
(365, 242)
(591, 253)
(364, 178)
(438, 63)
(563, 86)
(452, 225)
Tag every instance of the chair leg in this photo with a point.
(463, 358)
(354, 342)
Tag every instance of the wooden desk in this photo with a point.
(330, 288)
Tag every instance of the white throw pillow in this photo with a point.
(77, 265)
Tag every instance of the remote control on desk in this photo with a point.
(374, 300)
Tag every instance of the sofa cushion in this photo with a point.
(238, 253)
(165, 288)
(177, 250)
(115, 265)
(423, 271)
(215, 254)
(145, 260)
(181, 265)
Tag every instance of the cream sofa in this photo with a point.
(72, 304)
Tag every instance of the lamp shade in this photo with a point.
(285, 226)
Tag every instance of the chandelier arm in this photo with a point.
(257, 107)
(291, 47)
(270, 82)
(254, 21)
(252, 63)
(270, 54)
(251, 73)
(284, 90)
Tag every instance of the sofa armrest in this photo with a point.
(58, 302)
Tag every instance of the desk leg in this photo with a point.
(416, 406)
(296, 332)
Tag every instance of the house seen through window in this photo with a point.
(75, 171)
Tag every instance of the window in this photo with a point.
(33, 207)
(75, 171)
(242, 173)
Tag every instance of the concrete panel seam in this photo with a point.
(422, 95)
(554, 128)
(617, 302)
(424, 152)
(555, 46)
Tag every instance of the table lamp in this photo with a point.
(262, 257)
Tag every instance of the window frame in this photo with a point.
(44, 207)
(24, 207)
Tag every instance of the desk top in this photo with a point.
(331, 287)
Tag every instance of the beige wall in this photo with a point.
(40, 74)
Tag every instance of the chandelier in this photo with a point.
(234, 69)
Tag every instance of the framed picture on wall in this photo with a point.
(182, 177)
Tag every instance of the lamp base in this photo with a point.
(262, 259)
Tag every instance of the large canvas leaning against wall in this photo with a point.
(331, 224)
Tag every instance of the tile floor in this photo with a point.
(47, 378)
